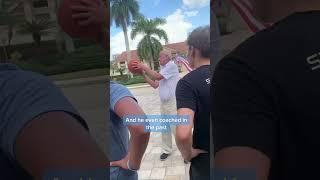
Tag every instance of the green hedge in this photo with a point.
(125, 80)
(48, 61)
(92, 57)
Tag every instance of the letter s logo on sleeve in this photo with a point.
(314, 60)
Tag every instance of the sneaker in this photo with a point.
(164, 156)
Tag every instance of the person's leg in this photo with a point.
(168, 108)
(165, 136)
(172, 110)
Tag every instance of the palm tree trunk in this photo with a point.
(152, 53)
(28, 10)
(52, 6)
(5, 54)
(61, 37)
(126, 39)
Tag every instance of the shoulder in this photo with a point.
(197, 74)
(19, 81)
(172, 65)
(259, 52)
(117, 92)
(116, 86)
(186, 82)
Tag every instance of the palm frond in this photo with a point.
(123, 10)
(161, 34)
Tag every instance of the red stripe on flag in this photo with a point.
(184, 62)
(245, 13)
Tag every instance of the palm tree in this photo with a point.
(149, 47)
(37, 28)
(7, 19)
(122, 13)
(10, 21)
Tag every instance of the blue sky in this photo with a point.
(182, 17)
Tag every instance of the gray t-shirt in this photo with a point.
(119, 132)
(24, 96)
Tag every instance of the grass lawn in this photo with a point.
(80, 74)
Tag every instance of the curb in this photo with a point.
(81, 81)
(136, 87)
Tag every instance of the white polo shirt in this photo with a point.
(167, 86)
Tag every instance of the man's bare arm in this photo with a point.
(139, 138)
(153, 83)
(152, 74)
(184, 134)
(56, 140)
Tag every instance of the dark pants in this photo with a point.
(200, 167)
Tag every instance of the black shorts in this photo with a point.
(200, 167)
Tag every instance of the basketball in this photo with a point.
(131, 66)
(71, 26)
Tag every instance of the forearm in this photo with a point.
(152, 74)
(137, 147)
(152, 83)
(184, 145)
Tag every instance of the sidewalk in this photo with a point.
(82, 81)
(152, 168)
(172, 168)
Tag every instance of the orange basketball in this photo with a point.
(71, 26)
(131, 67)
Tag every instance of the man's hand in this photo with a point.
(90, 12)
(123, 163)
(139, 66)
(195, 153)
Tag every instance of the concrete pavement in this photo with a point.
(151, 167)
(91, 102)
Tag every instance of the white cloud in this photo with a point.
(192, 4)
(177, 28)
(191, 13)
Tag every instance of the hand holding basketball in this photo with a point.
(134, 67)
(83, 18)
(89, 12)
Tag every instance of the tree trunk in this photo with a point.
(52, 6)
(28, 10)
(126, 39)
(152, 53)
(61, 37)
(10, 34)
(68, 42)
(5, 54)
(37, 38)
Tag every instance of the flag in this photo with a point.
(185, 62)
(244, 8)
